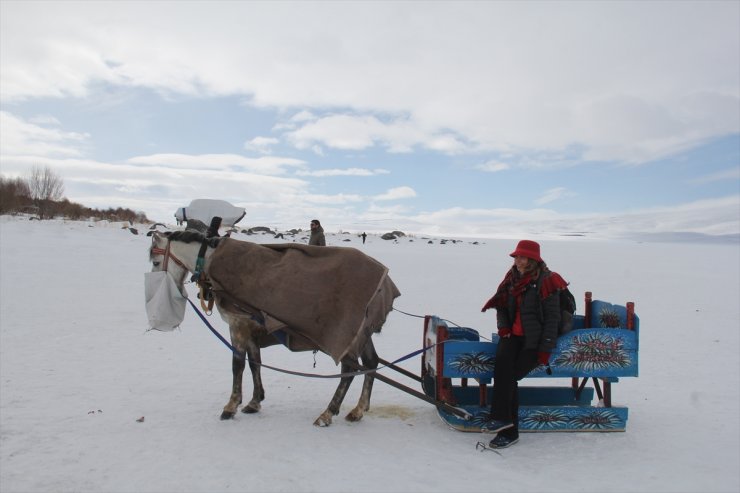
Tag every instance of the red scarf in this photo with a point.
(551, 282)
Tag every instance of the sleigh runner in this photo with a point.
(601, 348)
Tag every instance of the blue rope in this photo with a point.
(215, 332)
(312, 375)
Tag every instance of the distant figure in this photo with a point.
(527, 315)
(317, 234)
(363, 237)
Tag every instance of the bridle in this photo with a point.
(169, 255)
(202, 283)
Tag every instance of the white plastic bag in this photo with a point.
(165, 304)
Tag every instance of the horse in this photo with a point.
(177, 252)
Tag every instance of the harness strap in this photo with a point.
(204, 293)
(200, 261)
(298, 373)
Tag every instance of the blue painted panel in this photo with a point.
(463, 359)
(547, 418)
(578, 322)
(599, 339)
(463, 334)
(594, 353)
(567, 418)
(609, 316)
(580, 353)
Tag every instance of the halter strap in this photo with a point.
(167, 255)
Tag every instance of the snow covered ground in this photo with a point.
(90, 401)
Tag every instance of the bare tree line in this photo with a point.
(41, 194)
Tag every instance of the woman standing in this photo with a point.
(527, 314)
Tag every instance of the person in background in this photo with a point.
(363, 237)
(317, 234)
(527, 314)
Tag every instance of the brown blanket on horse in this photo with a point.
(334, 296)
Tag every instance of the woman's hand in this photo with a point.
(543, 358)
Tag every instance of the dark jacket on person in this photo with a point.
(540, 317)
(317, 237)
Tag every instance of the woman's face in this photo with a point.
(521, 263)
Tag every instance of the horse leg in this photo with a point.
(237, 370)
(258, 392)
(333, 409)
(369, 360)
(239, 342)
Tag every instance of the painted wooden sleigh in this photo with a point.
(601, 348)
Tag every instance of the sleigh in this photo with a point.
(457, 369)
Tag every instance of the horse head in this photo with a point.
(163, 259)
(178, 252)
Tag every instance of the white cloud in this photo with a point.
(493, 167)
(44, 120)
(302, 116)
(656, 78)
(394, 216)
(263, 145)
(339, 132)
(552, 195)
(268, 165)
(298, 118)
(318, 150)
(344, 172)
(338, 199)
(397, 193)
(447, 144)
(359, 132)
(19, 137)
(160, 186)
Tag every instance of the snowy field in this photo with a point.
(91, 401)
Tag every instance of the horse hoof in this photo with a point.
(226, 415)
(353, 417)
(322, 421)
(249, 410)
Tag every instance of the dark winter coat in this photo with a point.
(540, 318)
(317, 237)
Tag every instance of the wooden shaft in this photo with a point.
(587, 311)
(399, 369)
(630, 315)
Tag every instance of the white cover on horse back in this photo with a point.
(165, 304)
(206, 209)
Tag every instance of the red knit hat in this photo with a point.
(529, 249)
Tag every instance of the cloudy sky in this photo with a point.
(465, 118)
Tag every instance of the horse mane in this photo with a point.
(189, 236)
